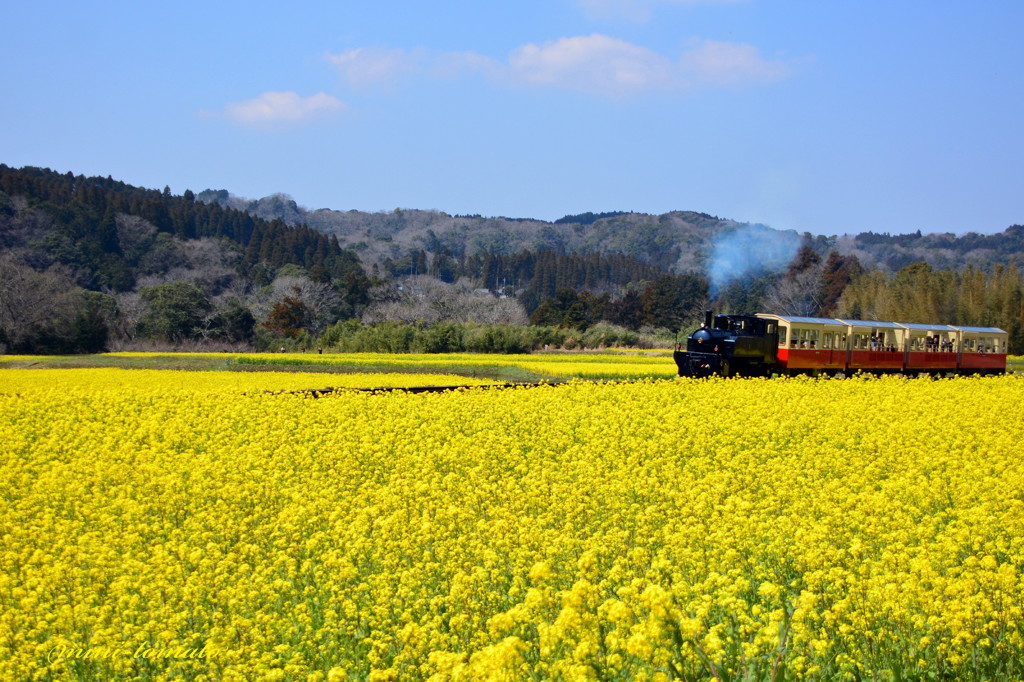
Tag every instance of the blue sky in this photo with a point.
(825, 117)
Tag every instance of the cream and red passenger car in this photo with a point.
(816, 345)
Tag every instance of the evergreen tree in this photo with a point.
(177, 311)
(839, 272)
(670, 301)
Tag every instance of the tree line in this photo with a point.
(87, 260)
(83, 232)
(89, 264)
(531, 274)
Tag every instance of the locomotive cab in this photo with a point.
(742, 345)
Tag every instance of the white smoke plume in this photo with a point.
(751, 250)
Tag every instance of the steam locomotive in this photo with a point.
(766, 344)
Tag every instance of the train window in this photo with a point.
(883, 340)
(782, 336)
(989, 344)
(806, 338)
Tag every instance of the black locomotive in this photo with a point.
(729, 345)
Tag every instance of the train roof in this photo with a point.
(928, 327)
(802, 320)
(980, 330)
(877, 324)
(871, 323)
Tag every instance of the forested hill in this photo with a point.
(85, 261)
(109, 234)
(677, 241)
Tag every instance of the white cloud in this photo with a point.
(273, 109)
(599, 64)
(596, 64)
(635, 10)
(364, 67)
(718, 63)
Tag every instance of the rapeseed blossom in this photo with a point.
(560, 365)
(155, 528)
(161, 381)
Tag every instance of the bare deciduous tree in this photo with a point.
(208, 263)
(32, 302)
(135, 236)
(319, 299)
(428, 300)
(131, 308)
(799, 294)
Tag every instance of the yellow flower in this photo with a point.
(200, 527)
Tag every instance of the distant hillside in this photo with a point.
(942, 251)
(86, 259)
(110, 234)
(677, 241)
(680, 241)
(88, 263)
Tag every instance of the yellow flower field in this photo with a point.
(564, 365)
(155, 380)
(592, 365)
(739, 529)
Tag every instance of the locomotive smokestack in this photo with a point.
(707, 319)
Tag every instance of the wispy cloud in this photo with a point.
(365, 67)
(717, 63)
(635, 10)
(362, 68)
(596, 64)
(277, 109)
